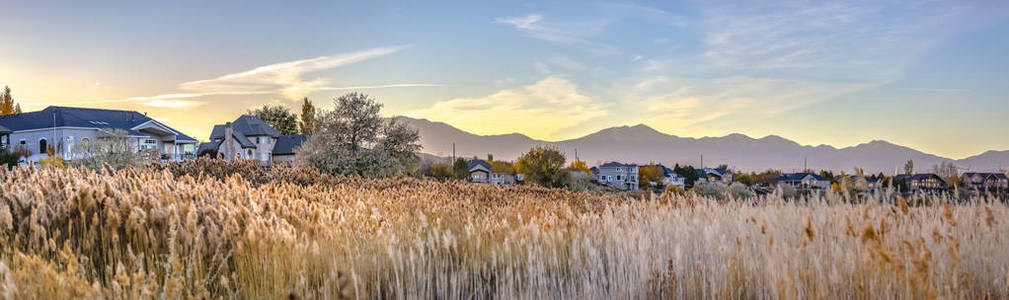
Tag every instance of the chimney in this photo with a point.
(230, 152)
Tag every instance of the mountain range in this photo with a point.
(642, 144)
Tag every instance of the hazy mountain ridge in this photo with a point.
(643, 144)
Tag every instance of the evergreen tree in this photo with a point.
(307, 117)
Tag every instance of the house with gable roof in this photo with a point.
(250, 138)
(59, 128)
(985, 182)
(619, 175)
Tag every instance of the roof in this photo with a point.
(667, 172)
(614, 164)
(61, 116)
(286, 144)
(707, 171)
(248, 125)
(800, 176)
(242, 139)
(478, 163)
(4, 130)
(921, 176)
(986, 175)
(208, 147)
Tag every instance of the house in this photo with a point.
(804, 181)
(715, 175)
(858, 180)
(988, 182)
(928, 183)
(618, 175)
(59, 128)
(670, 177)
(481, 171)
(248, 137)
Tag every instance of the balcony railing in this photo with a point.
(176, 157)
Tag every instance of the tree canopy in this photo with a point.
(7, 104)
(279, 117)
(543, 166)
(650, 173)
(307, 123)
(354, 139)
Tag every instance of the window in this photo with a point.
(146, 144)
(42, 145)
(22, 141)
(249, 152)
(619, 177)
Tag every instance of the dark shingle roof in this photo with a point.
(667, 172)
(60, 116)
(286, 144)
(478, 162)
(243, 140)
(208, 147)
(251, 126)
(4, 130)
(800, 176)
(614, 164)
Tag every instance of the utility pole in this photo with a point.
(805, 164)
(576, 154)
(702, 161)
(453, 152)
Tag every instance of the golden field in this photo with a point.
(161, 233)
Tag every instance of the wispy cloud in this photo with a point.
(286, 78)
(686, 104)
(857, 38)
(937, 90)
(538, 110)
(172, 103)
(574, 33)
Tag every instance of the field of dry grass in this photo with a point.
(68, 233)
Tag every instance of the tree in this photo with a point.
(279, 117)
(307, 117)
(7, 105)
(461, 168)
(542, 166)
(112, 148)
(441, 171)
(909, 167)
(744, 178)
(502, 167)
(354, 139)
(580, 166)
(650, 173)
(688, 173)
(490, 157)
(948, 172)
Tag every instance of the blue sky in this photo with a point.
(926, 74)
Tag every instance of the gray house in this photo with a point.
(481, 171)
(804, 181)
(248, 137)
(59, 128)
(618, 175)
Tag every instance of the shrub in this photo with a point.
(10, 159)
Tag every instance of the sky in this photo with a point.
(931, 75)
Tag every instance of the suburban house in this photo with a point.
(481, 171)
(804, 181)
(928, 182)
(249, 138)
(858, 180)
(670, 177)
(715, 175)
(988, 182)
(618, 175)
(59, 128)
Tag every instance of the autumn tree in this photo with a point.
(279, 117)
(580, 166)
(909, 167)
(7, 105)
(307, 124)
(650, 173)
(543, 165)
(441, 171)
(354, 139)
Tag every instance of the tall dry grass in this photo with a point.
(69, 233)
